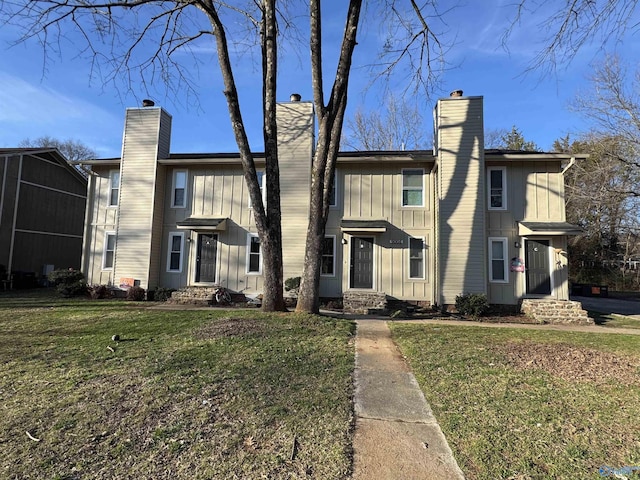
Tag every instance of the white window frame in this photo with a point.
(112, 173)
(262, 182)
(170, 251)
(423, 258)
(403, 188)
(505, 252)
(174, 186)
(333, 257)
(249, 272)
(503, 170)
(104, 250)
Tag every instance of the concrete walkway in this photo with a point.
(396, 434)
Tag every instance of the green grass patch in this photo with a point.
(182, 395)
(523, 404)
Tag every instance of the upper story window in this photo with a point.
(497, 188)
(179, 190)
(328, 266)
(413, 187)
(254, 255)
(333, 195)
(262, 178)
(498, 260)
(175, 252)
(416, 258)
(114, 187)
(109, 250)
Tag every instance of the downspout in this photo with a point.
(15, 217)
(88, 228)
(571, 163)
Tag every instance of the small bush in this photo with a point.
(68, 282)
(162, 294)
(97, 291)
(472, 304)
(135, 293)
(292, 285)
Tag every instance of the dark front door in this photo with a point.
(361, 262)
(537, 265)
(206, 257)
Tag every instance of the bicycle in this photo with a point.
(222, 295)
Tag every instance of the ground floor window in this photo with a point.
(328, 256)
(254, 256)
(175, 252)
(498, 272)
(109, 250)
(416, 258)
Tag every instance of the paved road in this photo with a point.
(610, 305)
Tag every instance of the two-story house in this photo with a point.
(420, 226)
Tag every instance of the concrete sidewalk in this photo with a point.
(396, 434)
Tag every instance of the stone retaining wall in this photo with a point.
(559, 312)
(364, 302)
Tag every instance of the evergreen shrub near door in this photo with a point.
(472, 304)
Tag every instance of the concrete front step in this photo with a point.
(556, 312)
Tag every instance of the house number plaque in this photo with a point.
(396, 242)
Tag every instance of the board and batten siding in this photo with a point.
(535, 192)
(136, 204)
(370, 191)
(461, 196)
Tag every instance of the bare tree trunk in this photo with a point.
(330, 121)
(271, 233)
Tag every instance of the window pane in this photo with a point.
(255, 245)
(115, 180)
(498, 269)
(416, 246)
(412, 197)
(178, 196)
(497, 252)
(496, 179)
(113, 199)
(175, 261)
(254, 263)
(415, 268)
(176, 243)
(181, 180)
(108, 259)
(412, 178)
(326, 267)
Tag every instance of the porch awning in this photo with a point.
(548, 228)
(368, 226)
(202, 223)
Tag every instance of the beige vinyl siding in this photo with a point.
(461, 192)
(137, 194)
(295, 150)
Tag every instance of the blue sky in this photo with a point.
(62, 100)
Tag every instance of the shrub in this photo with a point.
(472, 304)
(97, 291)
(162, 294)
(292, 285)
(68, 282)
(135, 293)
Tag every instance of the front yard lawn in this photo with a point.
(181, 395)
(523, 404)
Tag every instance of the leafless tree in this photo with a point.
(73, 150)
(397, 126)
(570, 25)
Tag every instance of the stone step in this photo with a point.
(557, 312)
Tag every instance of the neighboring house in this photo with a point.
(420, 226)
(42, 208)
